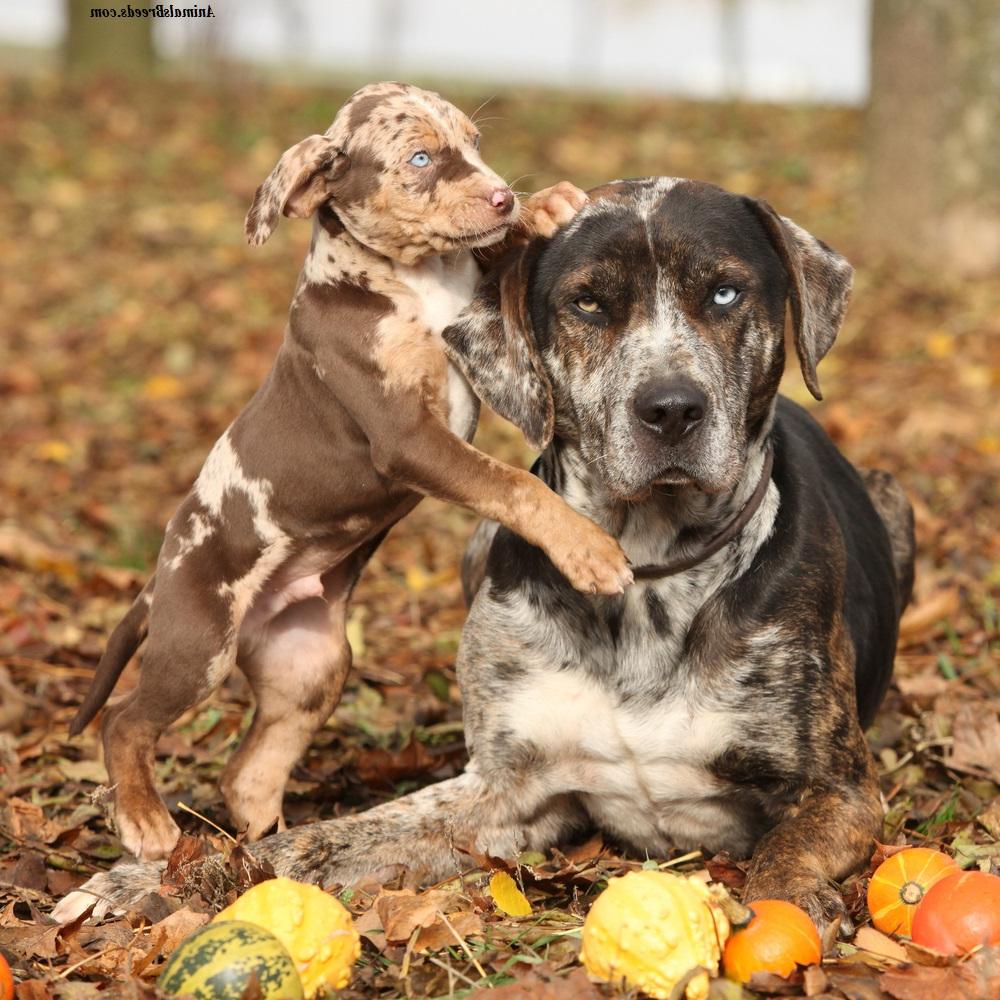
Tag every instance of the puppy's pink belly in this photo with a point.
(301, 589)
(271, 601)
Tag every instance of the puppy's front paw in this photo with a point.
(590, 559)
(548, 209)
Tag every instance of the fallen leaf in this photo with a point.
(442, 933)
(977, 979)
(28, 873)
(870, 939)
(508, 898)
(402, 911)
(33, 989)
(723, 869)
(26, 821)
(356, 631)
(858, 982)
(977, 741)
(814, 981)
(418, 581)
(919, 618)
(31, 941)
(54, 451)
(380, 767)
(20, 548)
(92, 771)
(542, 983)
(989, 819)
(162, 387)
(166, 935)
(884, 851)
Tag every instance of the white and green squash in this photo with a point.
(218, 962)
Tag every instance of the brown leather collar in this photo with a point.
(722, 537)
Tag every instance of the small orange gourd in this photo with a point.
(899, 884)
(959, 913)
(779, 937)
(6, 980)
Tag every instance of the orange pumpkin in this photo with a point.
(6, 980)
(959, 913)
(899, 884)
(779, 937)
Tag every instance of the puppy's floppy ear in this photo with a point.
(819, 287)
(493, 343)
(300, 182)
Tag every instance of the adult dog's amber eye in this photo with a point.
(587, 304)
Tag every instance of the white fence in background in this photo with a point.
(782, 50)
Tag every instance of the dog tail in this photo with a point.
(124, 641)
(897, 515)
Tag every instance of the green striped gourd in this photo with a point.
(218, 961)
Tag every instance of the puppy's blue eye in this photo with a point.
(420, 159)
(725, 295)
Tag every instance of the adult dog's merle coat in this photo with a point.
(720, 705)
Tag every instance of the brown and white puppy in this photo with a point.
(720, 701)
(360, 416)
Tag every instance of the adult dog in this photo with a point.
(720, 701)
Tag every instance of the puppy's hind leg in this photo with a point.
(189, 651)
(296, 667)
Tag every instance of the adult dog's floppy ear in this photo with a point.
(819, 287)
(493, 343)
(300, 182)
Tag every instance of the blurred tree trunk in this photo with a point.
(933, 133)
(95, 45)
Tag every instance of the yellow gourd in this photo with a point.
(654, 930)
(313, 926)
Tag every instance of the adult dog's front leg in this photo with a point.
(433, 832)
(828, 836)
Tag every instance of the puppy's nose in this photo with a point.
(671, 407)
(502, 200)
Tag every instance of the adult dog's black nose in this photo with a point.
(670, 407)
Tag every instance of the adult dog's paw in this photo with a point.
(111, 892)
(814, 894)
(548, 209)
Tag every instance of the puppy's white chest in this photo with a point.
(443, 287)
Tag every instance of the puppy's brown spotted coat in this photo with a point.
(360, 416)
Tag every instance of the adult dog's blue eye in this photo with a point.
(725, 295)
(420, 159)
